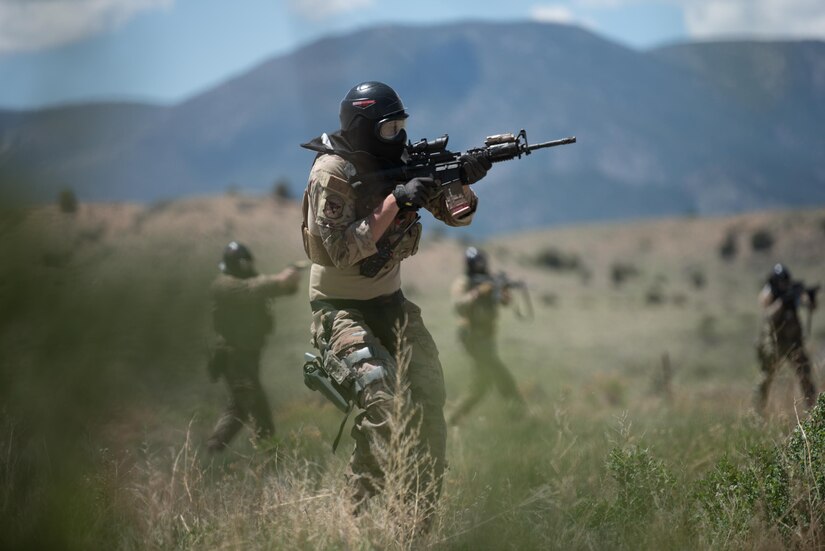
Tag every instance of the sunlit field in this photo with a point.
(638, 368)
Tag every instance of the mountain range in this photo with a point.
(694, 128)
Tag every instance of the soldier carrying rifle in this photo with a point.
(781, 336)
(360, 221)
(242, 319)
(477, 296)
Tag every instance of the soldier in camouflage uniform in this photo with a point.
(476, 299)
(357, 229)
(781, 335)
(242, 320)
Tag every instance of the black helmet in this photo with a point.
(779, 278)
(372, 119)
(780, 273)
(476, 261)
(374, 101)
(237, 260)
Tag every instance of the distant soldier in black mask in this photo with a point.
(242, 321)
(477, 298)
(781, 336)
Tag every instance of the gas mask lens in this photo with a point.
(390, 129)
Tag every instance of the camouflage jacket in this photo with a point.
(241, 313)
(337, 221)
(477, 312)
(781, 319)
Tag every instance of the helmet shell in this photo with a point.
(780, 272)
(374, 101)
(476, 261)
(237, 259)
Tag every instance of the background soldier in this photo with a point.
(357, 230)
(781, 336)
(477, 297)
(242, 320)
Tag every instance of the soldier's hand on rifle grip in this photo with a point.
(484, 289)
(473, 168)
(506, 297)
(416, 193)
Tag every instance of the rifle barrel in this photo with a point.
(554, 143)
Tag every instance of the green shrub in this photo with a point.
(621, 272)
(762, 240)
(697, 278)
(782, 486)
(728, 248)
(654, 295)
(554, 259)
(726, 498)
(643, 482)
(281, 190)
(67, 201)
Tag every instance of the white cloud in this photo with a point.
(317, 10)
(553, 13)
(708, 18)
(714, 18)
(27, 25)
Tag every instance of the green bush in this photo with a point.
(67, 201)
(782, 486)
(643, 482)
(762, 240)
(554, 259)
(697, 278)
(281, 190)
(621, 272)
(728, 248)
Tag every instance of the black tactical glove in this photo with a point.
(473, 168)
(416, 193)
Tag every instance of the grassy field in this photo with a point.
(105, 402)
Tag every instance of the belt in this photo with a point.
(395, 299)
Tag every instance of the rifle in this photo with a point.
(502, 284)
(432, 159)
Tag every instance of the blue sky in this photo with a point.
(162, 51)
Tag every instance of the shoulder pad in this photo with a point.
(334, 173)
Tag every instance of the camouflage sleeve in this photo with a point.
(462, 297)
(766, 296)
(346, 238)
(267, 286)
(439, 210)
(261, 286)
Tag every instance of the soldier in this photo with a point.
(242, 320)
(476, 298)
(357, 229)
(781, 336)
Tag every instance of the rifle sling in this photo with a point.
(341, 428)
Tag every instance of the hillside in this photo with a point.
(104, 322)
(694, 128)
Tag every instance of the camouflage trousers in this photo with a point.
(359, 344)
(247, 401)
(772, 348)
(488, 372)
